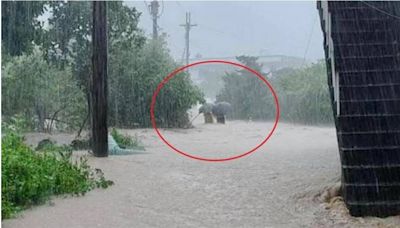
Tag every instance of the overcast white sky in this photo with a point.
(234, 28)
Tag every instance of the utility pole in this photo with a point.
(154, 5)
(98, 82)
(187, 27)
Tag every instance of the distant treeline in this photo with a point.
(302, 93)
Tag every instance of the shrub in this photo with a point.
(124, 141)
(80, 144)
(30, 177)
(16, 123)
(37, 91)
(50, 146)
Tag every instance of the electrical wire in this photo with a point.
(147, 7)
(309, 40)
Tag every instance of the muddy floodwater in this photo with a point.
(286, 183)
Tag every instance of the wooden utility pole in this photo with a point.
(98, 82)
(187, 27)
(154, 5)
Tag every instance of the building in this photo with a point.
(362, 48)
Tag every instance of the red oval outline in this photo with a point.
(176, 71)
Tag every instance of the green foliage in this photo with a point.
(123, 29)
(80, 144)
(125, 141)
(20, 26)
(16, 123)
(31, 177)
(303, 94)
(135, 66)
(38, 91)
(51, 146)
(249, 96)
(45, 144)
(68, 41)
(52, 86)
(134, 76)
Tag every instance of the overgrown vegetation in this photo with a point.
(303, 94)
(26, 27)
(80, 144)
(249, 97)
(41, 93)
(125, 141)
(45, 73)
(30, 177)
(134, 76)
(46, 66)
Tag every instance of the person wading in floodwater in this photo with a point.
(206, 109)
(220, 109)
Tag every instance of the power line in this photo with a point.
(147, 7)
(309, 40)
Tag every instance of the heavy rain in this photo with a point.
(200, 113)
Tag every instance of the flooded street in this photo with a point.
(212, 75)
(277, 186)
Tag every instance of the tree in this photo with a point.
(20, 26)
(304, 94)
(68, 41)
(134, 76)
(39, 91)
(135, 68)
(249, 96)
